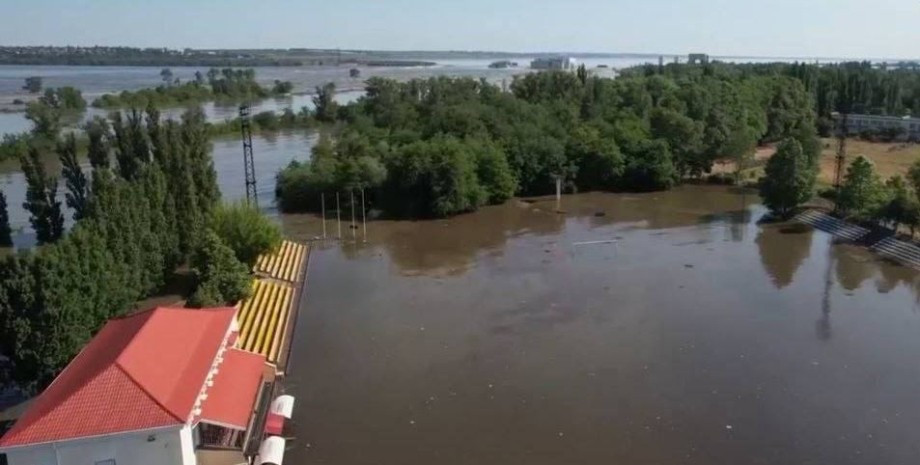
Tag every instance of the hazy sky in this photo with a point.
(800, 28)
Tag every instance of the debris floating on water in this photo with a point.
(608, 241)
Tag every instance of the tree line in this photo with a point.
(148, 204)
(790, 178)
(848, 87)
(442, 146)
(215, 84)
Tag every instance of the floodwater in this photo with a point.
(511, 336)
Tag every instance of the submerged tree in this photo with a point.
(790, 178)
(41, 199)
(6, 233)
(77, 185)
(98, 133)
(33, 84)
(324, 101)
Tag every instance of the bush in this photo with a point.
(245, 230)
(221, 278)
(266, 120)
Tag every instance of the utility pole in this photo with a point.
(252, 195)
(338, 214)
(363, 215)
(322, 200)
(841, 157)
(353, 227)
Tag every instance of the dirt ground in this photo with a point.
(889, 158)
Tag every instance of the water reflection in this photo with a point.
(783, 248)
(485, 336)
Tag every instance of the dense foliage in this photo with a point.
(849, 87)
(246, 230)
(221, 278)
(41, 202)
(225, 84)
(443, 146)
(145, 214)
(6, 233)
(789, 178)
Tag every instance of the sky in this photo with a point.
(769, 28)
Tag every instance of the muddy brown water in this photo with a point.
(699, 337)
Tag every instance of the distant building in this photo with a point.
(555, 63)
(166, 386)
(697, 58)
(503, 64)
(899, 127)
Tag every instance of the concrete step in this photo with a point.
(831, 225)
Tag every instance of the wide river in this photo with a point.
(698, 337)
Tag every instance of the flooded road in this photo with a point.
(698, 337)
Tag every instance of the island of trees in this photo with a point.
(443, 146)
(226, 84)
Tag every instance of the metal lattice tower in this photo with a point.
(252, 196)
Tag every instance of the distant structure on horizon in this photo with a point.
(697, 59)
(555, 63)
(503, 64)
(898, 127)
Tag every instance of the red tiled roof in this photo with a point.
(141, 371)
(231, 400)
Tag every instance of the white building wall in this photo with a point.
(187, 446)
(164, 446)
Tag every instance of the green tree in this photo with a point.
(6, 233)
(324, 101)
(913, 178)
(46, 120)
(685, 140)
(789, 180)
(650, 167)
(599, 159)
(897, 205)
(493, 171)
(76, 182)
(245, 230)
(221, 278)
(98, 152)
(861, 191)
(166, 75)
(41, 199)
(33, 84)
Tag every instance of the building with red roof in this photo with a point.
(151, 388)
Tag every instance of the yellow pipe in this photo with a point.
(282, 261)
(246, 327)
(295, 259)
(259, 324)
(271, 261)
(289, 262)
(245, 305)
(261, 347)
(282, 329)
